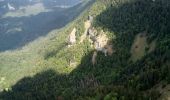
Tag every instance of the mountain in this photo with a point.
(22, 21)
(120, 51)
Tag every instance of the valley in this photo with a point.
(109, 50)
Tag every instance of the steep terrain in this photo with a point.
(138, 69)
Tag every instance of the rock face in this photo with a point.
(99, 41)
(94, 57)
(90, 18)
(87, 26)
(101, 44)
(72, 37)
(110, 50)
(72, 64)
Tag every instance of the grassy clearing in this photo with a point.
(139, 47)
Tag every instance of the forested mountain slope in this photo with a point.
(138, 31)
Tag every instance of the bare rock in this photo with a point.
(94, 57)
(72, 37)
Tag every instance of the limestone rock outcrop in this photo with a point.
(94, 58)
(99, 41)
(87, 26)
(72, 37)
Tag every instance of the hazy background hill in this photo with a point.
(23, 21)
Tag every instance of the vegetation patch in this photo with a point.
(138, 49)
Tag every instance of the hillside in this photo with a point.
(135, 34)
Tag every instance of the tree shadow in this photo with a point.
(54, 52)
(43, 86)
(50, 85)
(85, 81)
